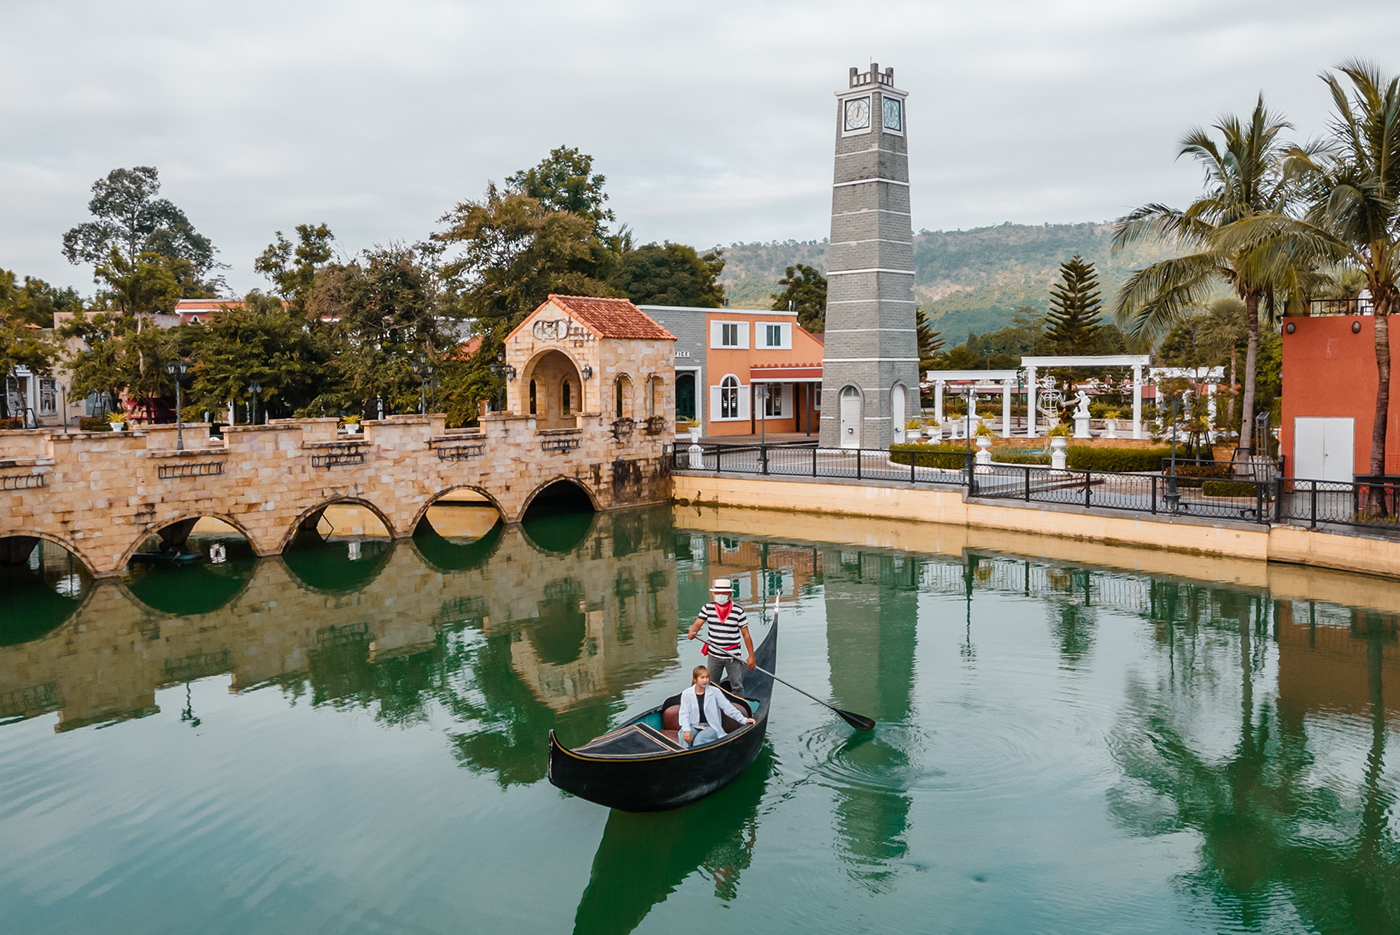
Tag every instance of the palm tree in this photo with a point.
(1351, 183)
(1244, 179)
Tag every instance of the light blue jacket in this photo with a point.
(715, 701)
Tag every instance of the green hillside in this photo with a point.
(969, 281)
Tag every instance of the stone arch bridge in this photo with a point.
(101, 495)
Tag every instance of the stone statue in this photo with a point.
(1081, 410)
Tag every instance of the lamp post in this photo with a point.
(177, 369)
(422, 369)
(968, 441)
(255, 388)
(1172, 497)
(503, 372)
(63, 401)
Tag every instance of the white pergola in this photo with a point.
(1007, 379)
(1135, 361)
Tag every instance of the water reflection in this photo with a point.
(41, 593)
(189, 590)
(643, 858)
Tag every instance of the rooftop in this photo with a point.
(612, 318)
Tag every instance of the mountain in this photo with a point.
(968, 281)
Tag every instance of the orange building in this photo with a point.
(744, 371)
(1329, 396)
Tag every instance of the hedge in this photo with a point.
(939, 456)
(1228, 488)
(94, 424)
(12, 423)
(1012, 456)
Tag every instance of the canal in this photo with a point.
(351, 737)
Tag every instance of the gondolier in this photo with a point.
(725, 625)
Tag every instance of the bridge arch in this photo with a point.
(559, 488)
(432, 501)
(559, 515)
(38, 603)
(185, 522)
(67, 545)
(311, 516)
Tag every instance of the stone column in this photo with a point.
(1210, 411)
(1005, 408)
(938, 401)
(1137, 400)
(1030, 402)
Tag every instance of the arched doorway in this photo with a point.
(897, 403)
(555, 390)
(850, 417)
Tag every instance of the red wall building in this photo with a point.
(1329, 389)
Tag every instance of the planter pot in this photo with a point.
(911, 435)
(352, 428)
(118, 426)
(1058, 444)
(1110, 428)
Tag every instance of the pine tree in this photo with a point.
(930, 343)
(1073, 321)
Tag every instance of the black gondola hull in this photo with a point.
(669, 778)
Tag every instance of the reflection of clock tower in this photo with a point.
(870, 375)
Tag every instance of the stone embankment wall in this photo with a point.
(102, 494)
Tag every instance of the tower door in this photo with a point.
(850, 417)
(897, 412)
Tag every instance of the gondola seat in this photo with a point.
(671, 722)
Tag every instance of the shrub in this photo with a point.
(1228, 488)
(15, 423)
(1088, 458)
(94, 424)
(1012, 456)
(939, 456)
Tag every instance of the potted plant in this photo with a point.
(352, 424)
(911, 430)
(117, 421)
(982, 437)
(1059, 441)
(1111, 415)
(935, 430)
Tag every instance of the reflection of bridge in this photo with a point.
(101, 495)
(568, 642)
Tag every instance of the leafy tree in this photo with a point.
(565, 181)
(131, 220)
(22, 345)
(669, 274)
(118, 354)
(1075, 308)
(1244, 181)
(929, 341)
(263, 342)
(35, 301)
(386, 310)
(292, 269)
(804, 291)
(1351, 187)
(145, 285)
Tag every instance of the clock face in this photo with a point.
(858, 114)
(894, 117)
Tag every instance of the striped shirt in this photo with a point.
(723, 635)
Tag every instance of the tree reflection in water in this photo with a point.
(1280, 837)
(643, 858)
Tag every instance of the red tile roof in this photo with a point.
(466, 349)
(612, 318)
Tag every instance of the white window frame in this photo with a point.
(740, 409)
(784, 335)
(741, 334)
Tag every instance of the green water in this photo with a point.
(320, 743)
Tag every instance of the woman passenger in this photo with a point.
(700, 711)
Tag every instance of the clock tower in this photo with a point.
(870, 371)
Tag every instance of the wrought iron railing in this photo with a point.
(337, 459)
(560, 443)
(461, 452)
(621, 428)
(655, 425)
(194, 469)
(23, 481)
(1359, 306)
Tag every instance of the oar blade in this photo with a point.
(858, 721)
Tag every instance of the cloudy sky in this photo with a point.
(713, 122)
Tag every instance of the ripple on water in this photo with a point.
(892, 758)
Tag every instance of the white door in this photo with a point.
(850, 417)
(897, 411)
(1324, 449)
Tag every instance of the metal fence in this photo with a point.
(1371, 503)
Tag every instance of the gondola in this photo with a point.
(639, 767)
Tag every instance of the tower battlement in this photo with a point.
(874, 76)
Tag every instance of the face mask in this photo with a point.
(721, 598)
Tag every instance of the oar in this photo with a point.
(858, 721)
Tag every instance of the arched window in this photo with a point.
(729, 398)
(568, 403)
(622, 387)
(656, 399)
(533, 406)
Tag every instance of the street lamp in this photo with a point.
(255, 388)
(177, 369)
(1172, 497)
(423, 369)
